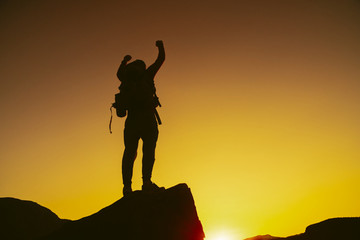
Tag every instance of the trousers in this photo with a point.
(148, 133)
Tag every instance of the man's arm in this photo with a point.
(121, 71)
(154, 68)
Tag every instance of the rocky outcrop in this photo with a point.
(264, 237)
(166, 214)
(331, 229)
(334, 229)
(21, 219)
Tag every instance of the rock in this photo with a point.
(330, 229)
(21, 219)
(166, 214)
(334, 229)
(264, 237)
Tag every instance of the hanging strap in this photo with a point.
(155, 111)
(110, 120)
(157, 116)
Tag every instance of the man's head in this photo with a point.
(135, 68)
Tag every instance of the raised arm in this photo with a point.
(121, 71)
(154, 68)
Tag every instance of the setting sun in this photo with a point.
(223, 234)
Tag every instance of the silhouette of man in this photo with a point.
(141, 123)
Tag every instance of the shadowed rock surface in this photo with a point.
(21, 219)
(335, 228)
(167, 214)
(331, 229)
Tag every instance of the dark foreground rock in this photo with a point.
(335, 228)
(167, 214)
(26, 220)
(331, 229)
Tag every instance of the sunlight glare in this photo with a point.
(220, 235)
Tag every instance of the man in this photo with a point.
(137, 82)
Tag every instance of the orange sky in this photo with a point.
(260, 106)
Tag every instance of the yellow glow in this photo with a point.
(222, 234)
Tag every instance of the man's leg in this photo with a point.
(149, 144)
(131, 141)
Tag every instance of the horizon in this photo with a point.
(260, 107)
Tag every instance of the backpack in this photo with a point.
(131, 91)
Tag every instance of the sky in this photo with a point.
(260, 107)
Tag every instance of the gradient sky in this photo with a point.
(260, 106)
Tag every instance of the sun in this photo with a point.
(220, 235)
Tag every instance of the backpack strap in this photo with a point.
(110, 119)
(157, 116)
